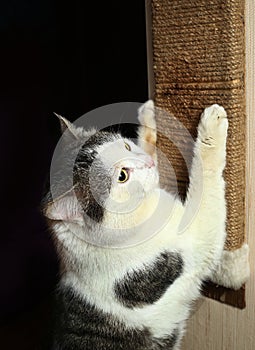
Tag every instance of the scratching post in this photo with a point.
(197, 59)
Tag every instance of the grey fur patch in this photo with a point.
(147, 285)
(167, 343)
(84, 153)
(92, 191)
(81, 326)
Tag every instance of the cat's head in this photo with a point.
(100, 177)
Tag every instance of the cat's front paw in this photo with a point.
(147, 134)
(213, 126)
(146, 115)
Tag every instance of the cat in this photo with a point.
(128, 280)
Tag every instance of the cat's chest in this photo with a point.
(146, 285)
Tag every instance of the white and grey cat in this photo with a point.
(128, 292)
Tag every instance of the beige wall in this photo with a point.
(215, 326)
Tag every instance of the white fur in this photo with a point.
(233, 270)
(195, 229)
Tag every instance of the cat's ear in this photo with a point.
(68, 129)
(64, 208)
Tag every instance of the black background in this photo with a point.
(69, 58)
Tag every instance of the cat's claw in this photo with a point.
(213, 126)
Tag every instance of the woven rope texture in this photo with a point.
(198, 60)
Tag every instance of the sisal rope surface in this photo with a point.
(198, 60)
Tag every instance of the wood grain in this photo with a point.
(215, 326)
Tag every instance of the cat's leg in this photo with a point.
(204, 221)
(202, 230)
(147, 134)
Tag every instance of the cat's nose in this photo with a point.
(146, 159)
(149, 162)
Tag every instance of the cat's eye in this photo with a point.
(124, 175)
(127, 146)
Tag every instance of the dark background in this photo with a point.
(69, 58)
